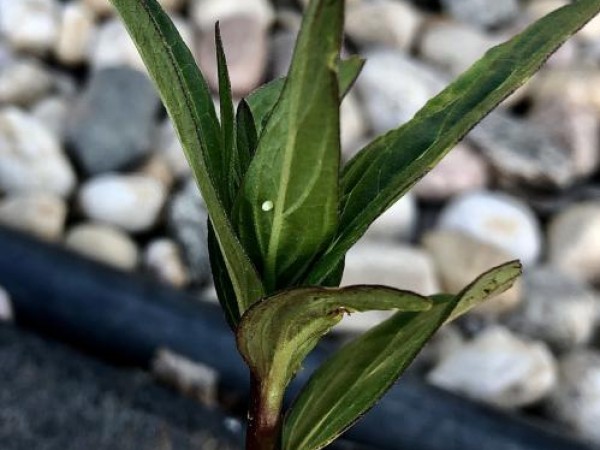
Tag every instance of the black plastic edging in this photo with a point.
(126, 318)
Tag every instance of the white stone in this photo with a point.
(576, 401)
(158, 168)
(23, 82)
(105, 244)
(384, 22)
(30, 25)
(500, 369)
(439, 45)
(76, 34)
(105, 8)
(169, 147)
(394, 87)
(31, 157)
(163, 259)
(398, 266)
(460, 171)
(557, 309)
(53, 112)
(131, 202)
(39, 213)
(460, 259)
(113, 46)
(498, 219)
(574, 241)
(352, 122)
(6, 310)
(397, 223)
(205, 13)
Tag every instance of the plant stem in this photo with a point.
(264, 418)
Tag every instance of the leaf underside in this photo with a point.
(346, 386)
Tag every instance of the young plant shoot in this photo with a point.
(283, 213)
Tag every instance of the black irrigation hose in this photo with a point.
(127, 318)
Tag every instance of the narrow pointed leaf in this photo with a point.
(276, 334)
(263, 100)
(287, 210)
(352, 381)
(188, 101)
(229, 154)
(246, 137)
(392, 164)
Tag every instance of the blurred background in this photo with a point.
(89, 160)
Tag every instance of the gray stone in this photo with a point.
(105, 244)
(576, 401)
(30, 25)
(168, 146)
(282, 49)
(460, 259)
(498, 368)
(23, 82)
(130, 202)
(39, 213)
(394, 87)
(31, 158)
(112, 122)
(386, 22)
(187, 221)
(462, 170)
(163, 258)
(53, 112)
(523, 154)
(205, 13)
(498, 219)
(483, 13)
(573, 241)
(557, 309)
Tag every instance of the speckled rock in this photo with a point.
(557, 309)
(460, 259)
(31, 157)
(573, 241)
(187, 222)
(112, 122)
(105, 244)
(499, 368)
(498, 219)
(164, 260)
(523, 154)
(576, 401)
(38, 213)
(30, 25)
(130, 202)
(23, 82)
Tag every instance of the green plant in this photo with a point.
(283, 213)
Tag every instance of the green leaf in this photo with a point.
(287, 210)
(346, 386)
(246, 137)
(189, 103)
(263, 100)
(385, 170)
(229, 155)
(276, 334)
